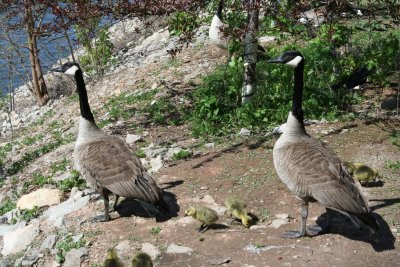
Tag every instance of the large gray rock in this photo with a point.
(18, 240)
(72, 204)
(75, 256)
(5, 228)
(49, 242)
(40, 198)
(175, 249)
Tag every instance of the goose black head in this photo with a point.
(290, 58)
(69, 68)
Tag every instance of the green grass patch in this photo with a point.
(155, 230)
(183, 154)
(28, 141)
(7, 206)
(65, 245)
(393, 165)
(73, 181)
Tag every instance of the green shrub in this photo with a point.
(182, 22)
(74, 181)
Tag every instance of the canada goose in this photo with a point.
(105, 161)
(310, 169)
(217, 36)
(203, 214)
(112, 259)
(237, 208)
(142, 260)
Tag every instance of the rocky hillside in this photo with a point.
(47, 211)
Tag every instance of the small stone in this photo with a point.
(132, 138)
(31, 257)
(175, 249)
(39, 198)
(203, 188)
(257, 227)
(323, 120)
(209, 145)
(152, 250)
(244, 132)
(156, 164)
(49, 242)
(5, 263)
(277, 223)
(62, 176)
(74, 257)
(76, 238)
(283, 216)
(120, 123)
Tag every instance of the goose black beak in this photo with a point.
(58, 69)
(277, 60)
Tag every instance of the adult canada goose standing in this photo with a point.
(310, 169)
(105, 161)
(218, 37)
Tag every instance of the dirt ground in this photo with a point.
(245, 168)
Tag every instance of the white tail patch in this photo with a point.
(216, 34)
(72, 70)
(294, 62)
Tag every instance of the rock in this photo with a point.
(175, 249)
(283, 216)
(152, 153)
(152, 250)
(74, 257)
(12, 214)
(49, 242)
(208, 201)
(31, 257)
(18, 240)
(257, 227)
(72, 204)
(244, 132)
(156, 164)
(132, 138)
(77, 238)
(277, 223)
(5, 263)
(62, 176)
(123, 247)
(264, 40)
(209, 145)
(39, 198)
(5, 228)
(172, 151)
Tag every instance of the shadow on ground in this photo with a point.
(382, 240)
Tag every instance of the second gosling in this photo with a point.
(142, 260)
(237, 208)
(203, 214)
(365, 174)
(112, 259)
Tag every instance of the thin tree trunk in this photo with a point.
(250, 53)
(39, 85)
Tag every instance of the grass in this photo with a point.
(74, 181)
(27, 215)
(28, 141)
(7, 206)
(59, 166)
(41, 180)
(140, 153)
(155, 230)
(183, 154)
(264, 214)
(64, 245)
(393, 165)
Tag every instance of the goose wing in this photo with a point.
(319, 173)
(109, 162)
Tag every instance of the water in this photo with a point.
(15, 65)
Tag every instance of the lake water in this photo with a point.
(14, 64)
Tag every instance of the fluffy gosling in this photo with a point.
(142, 260)
(112, 259)
(203, 214)
(237, 208)
(365, 174)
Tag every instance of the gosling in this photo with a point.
(142, 260)
(365, 174)
(237, 208)
(112, 259)
(203, 214)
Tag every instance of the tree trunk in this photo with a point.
(250, 53)
(39, 85)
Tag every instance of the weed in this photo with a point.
(41, 180)
(29, 214)
(74, 181)
(140, 153)
(264, 214)
(65, 245)
(183, 154)
(393, 165)
(7, 206)
(155, 230)
(59, 166)
(28, 141)
(395, 138)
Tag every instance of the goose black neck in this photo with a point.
(297, 109)
(219, 10)
(83, 98)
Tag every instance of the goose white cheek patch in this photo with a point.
(72, 70)
(294, 62)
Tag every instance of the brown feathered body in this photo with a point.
(108, 165)
(313, 172)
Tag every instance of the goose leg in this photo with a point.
(302, 232)
(115, 203)
(106, 207)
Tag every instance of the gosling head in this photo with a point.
(69, 68)
(190, 211)
(111, 254)
(290, 58)
(142, 260)
(246, 221)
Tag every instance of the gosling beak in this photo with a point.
(276, 60)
